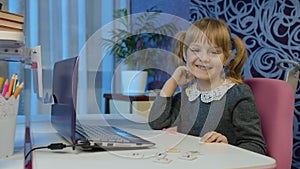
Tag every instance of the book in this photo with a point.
(12, 24)
(6, 28)
(11, 16)
(11, 39)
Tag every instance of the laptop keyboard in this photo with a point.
(100, 133)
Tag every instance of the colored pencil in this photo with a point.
(11, 85)
(1, 82)
(18, 90)
(5, 88)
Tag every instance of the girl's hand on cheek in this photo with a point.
(182, 75)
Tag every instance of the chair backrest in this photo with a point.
(275, 102)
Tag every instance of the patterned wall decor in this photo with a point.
(271, 30)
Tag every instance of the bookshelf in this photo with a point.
(13, 49)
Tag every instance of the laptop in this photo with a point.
(63, 115)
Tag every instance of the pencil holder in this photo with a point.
(8, 117)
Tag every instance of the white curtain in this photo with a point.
(61, 28)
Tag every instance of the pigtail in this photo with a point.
(179, 45)
(236, 64)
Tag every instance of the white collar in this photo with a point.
(208, 96)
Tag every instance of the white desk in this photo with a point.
(213, 155)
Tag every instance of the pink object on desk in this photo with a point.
(170, 131)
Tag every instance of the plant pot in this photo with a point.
(133, 82)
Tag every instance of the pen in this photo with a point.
(18, 84)
(18, 90)
(15, 84)
(5, 88)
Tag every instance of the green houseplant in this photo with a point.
(135, 42)
(136, 39)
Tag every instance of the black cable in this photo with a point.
(36, 148)
(53, 146)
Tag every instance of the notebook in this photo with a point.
(63, 115)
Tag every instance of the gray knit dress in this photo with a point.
(235, 116)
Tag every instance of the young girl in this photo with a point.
(213, 103)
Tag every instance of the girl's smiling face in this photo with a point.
(205, 61)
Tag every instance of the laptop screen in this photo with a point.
(64, 87)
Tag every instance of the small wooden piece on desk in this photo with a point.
(131, 99)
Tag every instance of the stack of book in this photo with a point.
(11, 21)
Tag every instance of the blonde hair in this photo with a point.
(218, 33)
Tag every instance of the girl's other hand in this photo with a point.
(213, 136)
